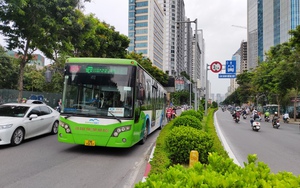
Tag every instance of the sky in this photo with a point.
(214, 17)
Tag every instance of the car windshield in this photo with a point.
(106, 90)
(13, 110)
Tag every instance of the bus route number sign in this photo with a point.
(216, 66)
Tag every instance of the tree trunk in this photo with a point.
(278, 103)
(20, 81)
(23, 62)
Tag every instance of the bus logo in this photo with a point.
(89, 70)
(93, 121)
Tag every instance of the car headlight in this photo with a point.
(6, 126)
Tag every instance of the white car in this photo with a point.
(20, 121)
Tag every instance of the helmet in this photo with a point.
(275, 112)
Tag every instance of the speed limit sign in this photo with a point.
(216, 66)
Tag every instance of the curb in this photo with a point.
(148, 166)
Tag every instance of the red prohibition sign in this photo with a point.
(216, 66)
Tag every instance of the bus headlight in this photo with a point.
(119, 130)
(66, 127)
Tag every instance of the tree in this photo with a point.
(180, 97)
(295, 63)
(8, 69)
(244, 91)
(27, 24)
(146, 63)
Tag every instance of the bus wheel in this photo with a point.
(143, 141)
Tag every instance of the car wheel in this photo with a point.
(55, 128)
(17, 137)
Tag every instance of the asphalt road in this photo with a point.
(44, 162)
(279, 148)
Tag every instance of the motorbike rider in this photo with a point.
(267, 114)
(255, 117)
(275, 117)
(174, 112)
(236, 114)
(286, 116)
(244, 112)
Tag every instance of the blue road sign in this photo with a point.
(227, 75)
(231, 66)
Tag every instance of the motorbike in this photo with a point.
(267, 119)
(244, 116)
(255, 125)
(285, 120)
(58, 109)
(276, 123)
(237, 119)
(169, 116)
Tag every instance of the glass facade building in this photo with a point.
(269, 22)
(146, 30)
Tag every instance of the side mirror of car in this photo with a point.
(33, 116)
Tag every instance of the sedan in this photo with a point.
(20, 121)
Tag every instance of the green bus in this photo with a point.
(109, 102)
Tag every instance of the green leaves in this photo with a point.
(146, 63)
(220, 172)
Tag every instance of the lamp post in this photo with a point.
(206, 88)
(196, 41)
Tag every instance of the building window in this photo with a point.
(142, 18)
(142, 4)
(143, 24)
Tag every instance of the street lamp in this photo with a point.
(196, 41)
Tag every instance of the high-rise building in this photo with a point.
(146, 30)
(160, 30)
(243, 65)
(268, 25)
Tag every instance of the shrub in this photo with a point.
(221, 172)
(187, 121)
(182, 140)
(197, 114)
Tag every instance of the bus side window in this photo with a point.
(141, 92)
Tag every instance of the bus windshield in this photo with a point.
(98, 90)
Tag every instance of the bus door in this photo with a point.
(140, 93)
(154, 103)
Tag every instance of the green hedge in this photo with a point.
(187, 120)
(182, 140)
(222, 172)
(197, 114)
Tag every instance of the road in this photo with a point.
(278, 148)
(43, 162)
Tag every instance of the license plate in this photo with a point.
(89, 143)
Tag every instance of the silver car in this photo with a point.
(20, 121)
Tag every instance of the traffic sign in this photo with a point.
(227, 75)
(216, 66)
(231, 66)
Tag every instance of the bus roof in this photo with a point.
(101, 60)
